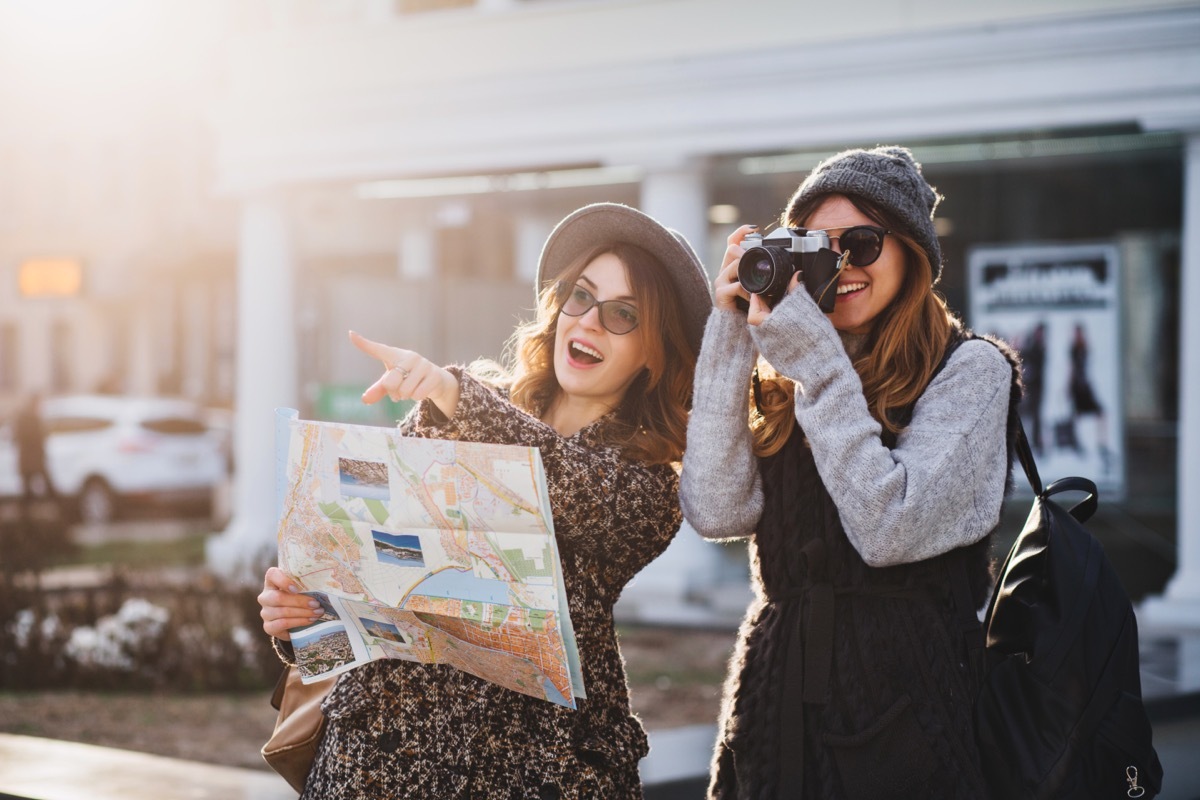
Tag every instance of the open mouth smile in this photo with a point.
(844, 289)
(582, 353)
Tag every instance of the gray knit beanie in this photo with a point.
(888, 177)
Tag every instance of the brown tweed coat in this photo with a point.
(397, 729)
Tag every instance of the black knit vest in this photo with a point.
(853, 678)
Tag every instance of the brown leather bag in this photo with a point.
(298, 728)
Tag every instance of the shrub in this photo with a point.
(123, 636)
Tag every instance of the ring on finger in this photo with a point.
(397, 368)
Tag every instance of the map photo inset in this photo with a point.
(328, 614)
(360, 478)
(323, 650)
(382, 630)
(401, 549)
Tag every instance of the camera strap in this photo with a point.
(833, 279)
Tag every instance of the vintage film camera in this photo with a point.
(768, 263)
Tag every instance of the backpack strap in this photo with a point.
(1026, 457)
(1081, 511)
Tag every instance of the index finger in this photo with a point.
(378, 350)
(733, 254)
(278, 579)
(740, 233)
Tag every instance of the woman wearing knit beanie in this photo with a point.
(871, 473)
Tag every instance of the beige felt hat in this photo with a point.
(603, 223)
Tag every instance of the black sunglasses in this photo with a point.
(864, 243)
(616, 316)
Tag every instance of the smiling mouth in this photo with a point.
(847, 288)
(584, 354)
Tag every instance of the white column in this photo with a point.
(532, 230)
(677, 196)
(682, 586)
(33, 347)
(1179, 606)
(197, 343)
(417, 254)
(266, 379)
(142, 370)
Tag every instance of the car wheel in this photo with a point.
(96, 502)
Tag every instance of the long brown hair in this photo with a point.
(651, 421)
(899, 355)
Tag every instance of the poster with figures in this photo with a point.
(1059, 306)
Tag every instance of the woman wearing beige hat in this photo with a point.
(868, 481)
(602, 385)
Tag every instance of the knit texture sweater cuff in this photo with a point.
(726, 359)
(428, 421)
(798, 340)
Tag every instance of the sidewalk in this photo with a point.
(676, 768)
(48, 769)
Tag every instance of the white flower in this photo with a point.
(25, 621)
(118, 640)
(247, 644)
(22, 626)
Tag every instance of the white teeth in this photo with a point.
(846, 288)
(583, 348)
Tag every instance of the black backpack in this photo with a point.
(1059, 713)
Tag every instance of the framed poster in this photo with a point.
(1058, 305)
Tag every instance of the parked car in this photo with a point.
(107, 451)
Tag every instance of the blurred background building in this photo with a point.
(201, 198)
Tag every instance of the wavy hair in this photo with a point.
(650, 424)
(899, 356)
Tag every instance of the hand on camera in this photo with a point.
(408, 376)
(728, 290)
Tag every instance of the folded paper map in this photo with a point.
(424, 550)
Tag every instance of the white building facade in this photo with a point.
(393, 166)
(400, 164)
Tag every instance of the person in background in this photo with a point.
(30, 436)
(1084, 402)
(1033, 372)
(601, 385)
(868, 480)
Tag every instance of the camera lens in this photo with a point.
(755, 272)
(765, 271)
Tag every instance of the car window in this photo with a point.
(76, 424)
(174, 426)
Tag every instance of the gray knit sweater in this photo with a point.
(939, 488)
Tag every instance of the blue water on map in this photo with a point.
(464, 586)
(552, 692)
(351, 487)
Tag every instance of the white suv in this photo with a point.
(105, 449)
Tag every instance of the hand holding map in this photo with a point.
(424, 550)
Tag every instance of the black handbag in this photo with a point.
(1060, 713)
